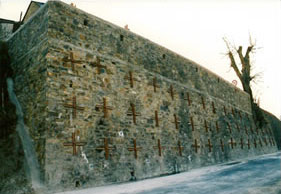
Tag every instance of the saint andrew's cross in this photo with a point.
(74, 107)
(209, 145)
(159, 147)
(133, 113)
(105, 108)
(135, 149)
(106, 148)
(74, 144)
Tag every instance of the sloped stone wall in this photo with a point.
(28, 47)
(129, 66)
(68, 64)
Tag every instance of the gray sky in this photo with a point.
(194, 29)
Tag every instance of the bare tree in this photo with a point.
(244, 74)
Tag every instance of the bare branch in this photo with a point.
(227, 43)
(248, 51)
(234, 66)
(239, 51)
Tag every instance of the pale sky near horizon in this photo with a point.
(194, 29)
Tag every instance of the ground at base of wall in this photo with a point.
(257, 175)
(13, 178)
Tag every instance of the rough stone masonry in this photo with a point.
(105, 105)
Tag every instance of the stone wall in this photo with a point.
(130, 65)
(6, 29)
(73, 65)
(28, 47)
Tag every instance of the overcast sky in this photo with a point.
(194, 29)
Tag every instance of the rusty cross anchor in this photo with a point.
(222, 145)
(209, 145)
(249, 145)
(105, 108)
(135, 149)
(195, 145)
(176, 121)
(257, 130)
(203, 102)
(192, 123)
(233, 143)
(229, 127)
(260, 142)
(238, 128)
(106, 148)
(74, 107)
(224, 109)
(156, 118)
(206, 126)
(265, 141)
(74, 144)
(130, 78)
(232, 110)
(217, 126)
(133, 113)
(246, 130)
(154, 83)
(188, 98)
(255, 143)
(180, 148)
(270, 141)
(241, 143)
(159, 147)
(273, 142)
(98, 65)
(72, 60)
(214, 108)
(251, 129)
(171, 91)
(239, 113)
